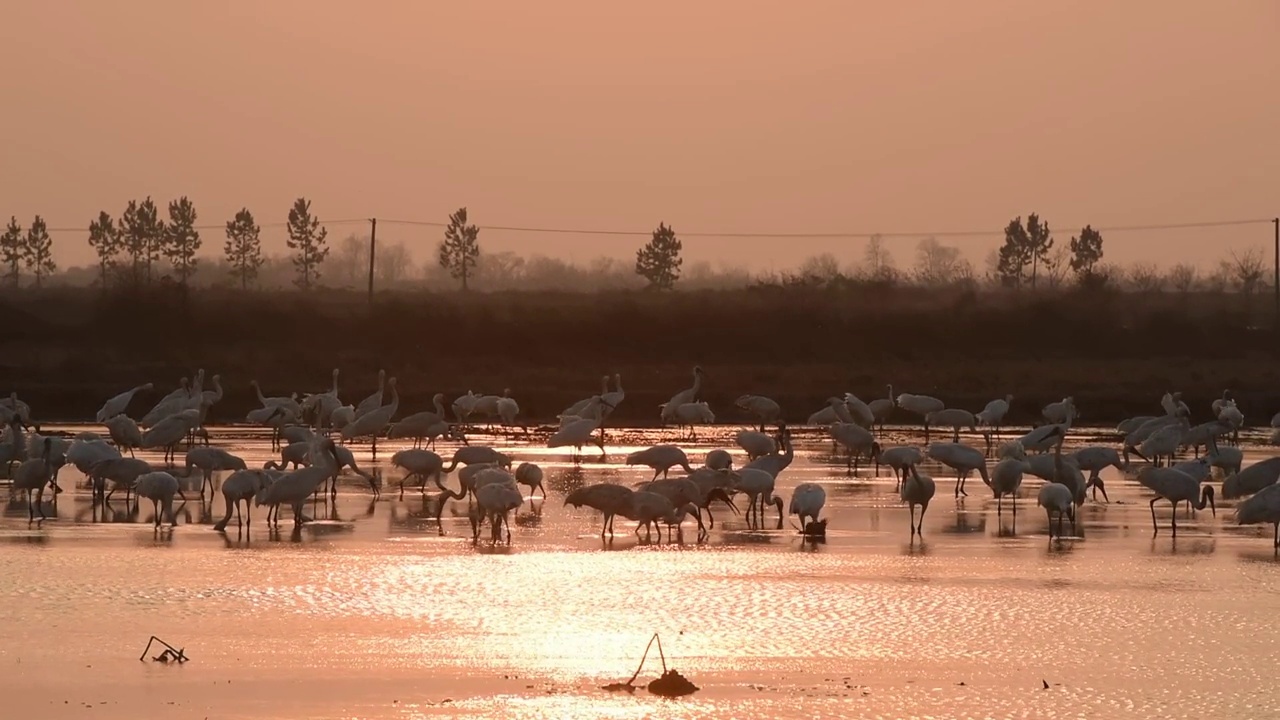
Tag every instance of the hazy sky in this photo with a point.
(710, 115)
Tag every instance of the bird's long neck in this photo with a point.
(439, 403)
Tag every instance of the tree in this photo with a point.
(1086, 252)
(460, 249)
(1057, 266)
(37, 251)
(104, 238)
(1145, 277)
(1246, 270)
(1024, 246)
(351, 265)
(820, 268)
(392, 264)
(659, 260)
(1182, 277)
(11, 251)
(243, 250)
(182, 240)
(879, 260)
(307, 237)
(141, 229)
(938, 264)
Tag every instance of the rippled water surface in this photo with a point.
(373, 612)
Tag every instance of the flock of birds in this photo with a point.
(314, 434)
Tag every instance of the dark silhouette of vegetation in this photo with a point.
(143, 232)
(243, 249)
(182, 240)
(460, 249)
(307, 240)
(1086, 253)
(37, 251)
(11, 252)
(1246, 270)
(659, 260)
(871, 334)
(105, 239)
(1024, 247)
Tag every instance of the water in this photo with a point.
(372, 612)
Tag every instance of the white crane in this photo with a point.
(32, 476)
(242, 486)
(882, 408)
(576, 434)
(837, 410)
(961, 458)
(1263, 507)
(774, 463)
(120, 403)
(755, 443)
(295, 488)
(916, 490)
(900, 458)
(954, 418)
(374, 423)
(530, 474)
(1175, 486)
(764, 409)
(159, 487)
(1006, 478)
(420, 424)
(210, 460)
(373, 401)
(687, 395)
(124, 432)
(758, 486)
(661, 458)
(921, 405)
(1062, 412)
(576, 410)
(857, 440)
(806, 502)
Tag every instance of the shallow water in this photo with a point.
(372, 612)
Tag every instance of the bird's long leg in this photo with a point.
(920, 525)
(1173, 519)
(1060, 524)
(1277, 544)
(998, 508)
(1155, 530)
(912, 507)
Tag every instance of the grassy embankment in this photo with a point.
(66, 350)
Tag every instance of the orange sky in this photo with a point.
(709, 115)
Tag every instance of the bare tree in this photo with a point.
(350, 264)
(823, 268)
(1145, 277)
(1245, 270)
(879, 260)
(1056, 266)
(392, 264)
(1182, 277)
(936, 264)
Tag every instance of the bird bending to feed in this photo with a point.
(1262, 507)
(806, 502)
(159, 487)
(917, 489)
(766, 410)
(661, 458)
(1175, 486)
(921, 405)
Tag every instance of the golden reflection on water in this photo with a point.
(373, 604)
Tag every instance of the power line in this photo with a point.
(752, 235)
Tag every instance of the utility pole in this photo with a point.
(1275, 281)
(373, 247)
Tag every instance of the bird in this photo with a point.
(159, 487)
(496, 501)
(900, 458)
(1006, 478)
(123, 472)
(857, 440)
(954, 418)
(1172, 404)
(757, 485)
(718, 460)
(84, 454)
(661, 458)
(120, 403)
(775, 462)
(806, 502)
(608, 498)
(508, 409)
(882, 408)
(12, 407)
(477, 454)
(124, 432)
(612, 398)
(1221, 402)
(342, 417)
(859, 412)
(211, 460)
(693, 414)
(1231, 415)
(1252, 479)
(576, 410)
(419, 426)
(294, 488)
(687, 395)
(1175, 486)
(1163, 442)
(1056, 498)
(577, 433)
(916, 490)
(961, 458)
(755, 443)
(169, 432)
(994, 412)
(921, 405)
(836, 410)
(1096, 458)
(373, 401)
(764, 409)
(1262, 507)
(528, 473)
(422, 463)
(32, 476)
(374, 423)
(464, 406)
(1061, 412)
(321, 405)
(242, 485)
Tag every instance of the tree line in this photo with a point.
(141, 247)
